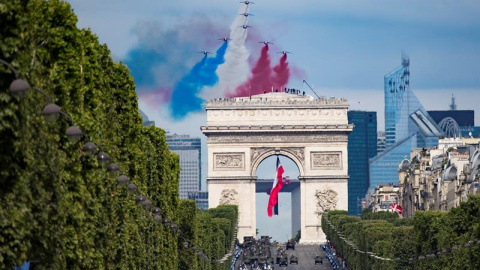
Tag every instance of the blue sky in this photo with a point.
(343, 48)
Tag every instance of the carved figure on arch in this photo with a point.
(229, 196)
(325, 199)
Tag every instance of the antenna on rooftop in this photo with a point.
(453, 106)
(305, 82)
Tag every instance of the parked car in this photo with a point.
(318, 259)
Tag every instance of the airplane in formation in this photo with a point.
(284, 52)
(245, 26)
(205, 53)
(265, 42)
(247, 2)
(246, 14)
(224, 39)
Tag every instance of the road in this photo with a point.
(306, 258)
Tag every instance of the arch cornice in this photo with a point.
(296, 154)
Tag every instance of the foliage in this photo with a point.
(416, 243)
(58, 206)
(298, 236)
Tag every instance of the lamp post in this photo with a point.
(51, 112)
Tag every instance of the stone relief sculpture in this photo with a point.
(325, 199)
(229, 196)
(229, 161)
(326, 160)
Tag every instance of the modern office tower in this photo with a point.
(189, 150)
(380, 142)
(464, 118)
(362, 145)
(456, 123)
(200, 198)
(146, 121)
(407, 126)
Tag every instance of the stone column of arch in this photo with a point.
(242, 132)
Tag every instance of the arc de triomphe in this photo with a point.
(242, 132)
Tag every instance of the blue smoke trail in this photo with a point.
(141, 61)
(184, 97)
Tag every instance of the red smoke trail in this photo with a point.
(259, 79)
(156, 98)
(282, 73)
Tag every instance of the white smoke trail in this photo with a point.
(235, 70)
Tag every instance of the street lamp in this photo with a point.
(122, 179)
(140, 199)
(157, 218)
(132, 188)
(146, 203)
(51, 112)
(19, 88)
(103, 158)
(74, 134)
(89, 148)
(113, 168)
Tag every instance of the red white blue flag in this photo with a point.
(276, 187)
(394, 207)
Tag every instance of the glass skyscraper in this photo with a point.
(362, 145)
(200, 198)
(189, 150)
(407, 126)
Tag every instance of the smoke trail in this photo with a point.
(184, 96)
(260, 78)
(161, 95)
(281, 73)
(164, 53)
(236, 68)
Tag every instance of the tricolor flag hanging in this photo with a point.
(394, 207)
(277, 186)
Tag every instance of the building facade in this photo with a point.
(382, 197)
(189, 150)
(362, 145)
(407, 126)
(463, 122)
(242, 132)
(439, 178)
(200, 198)
(380, 142)
(464, 118)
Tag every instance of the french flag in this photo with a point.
(277, 186)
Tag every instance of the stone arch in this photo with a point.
(242, 132)
(297, 155)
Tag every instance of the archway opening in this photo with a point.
(286, 224)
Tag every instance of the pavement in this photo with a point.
(306, 258)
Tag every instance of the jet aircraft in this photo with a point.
(247, 2)
(284, 52)
(246, 14)
(265, 42)
(224, 39)
(205, 53)
(245, 26)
